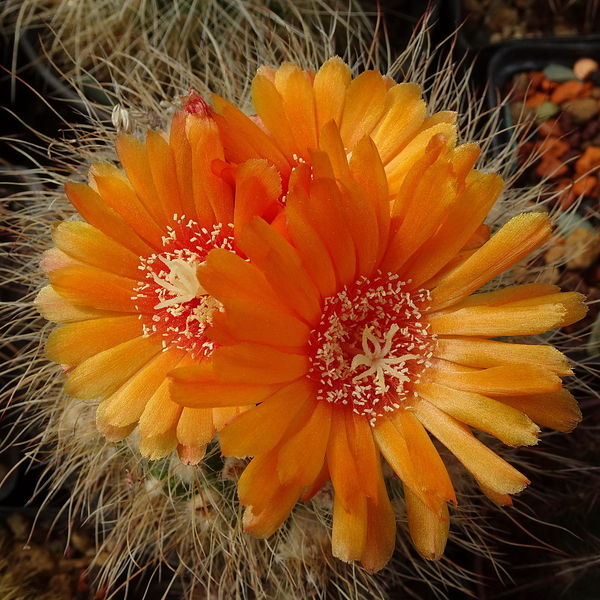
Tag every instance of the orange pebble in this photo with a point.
(536, 78)
(536, 99)
(552, 146)
(588, 161)
(566, 199)
(567, 91)
(551, 167)
(546, 85)
(585, 186)
(550, 127)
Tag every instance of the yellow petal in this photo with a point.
(102, 374)
(557, 410)
(509, 425)
(515, 240)
(76, 342)
(349, 533)
(508, 380)
(484, 464)
(428, 528)
(480, 353)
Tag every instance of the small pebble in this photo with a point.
(582, 247)
(581, 110)
(554, 254)
(584, 67)
(559, 73)
(546, 110)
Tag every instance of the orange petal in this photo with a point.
(103, 374)
(507, 424)
(118, 193)
(475, 352)
(484, 464)
(302, 456)
(331, 143)
(55, 308)
(248, 363)
(134, 158)
(424, 456)
(428, 528)
(198, 387)
(261, 428)
(127, 404)
(299, 103)
(398, 455)
(227, 275)
(557, 410)
(326, 215)
(367, 170)
(515, 240)
(243, 139)
(95, 288)
(96, 212)
(158, 446)
(381, 528)
(365, 101)
(330, 84)
(341, 463)
(509, 380)
(308, 243)
(268, 521)
(403, 118)
(76, 342)
(366, 456)
(164, 173)
(90, 245)
(258, 186)
(259, 482)
(349, 533)
(254, 322)
(398, 168)
(434, 193)
(270, 108)
(182, 155)
(160, 416)
(195, 429)
(282, 267)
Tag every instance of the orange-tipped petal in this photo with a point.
(349, 533)
(428, 528)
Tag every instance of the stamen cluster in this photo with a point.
(371, 345)
(172, 303)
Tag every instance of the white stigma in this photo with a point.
(181, 282)
(379, 360)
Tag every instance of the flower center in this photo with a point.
(171, 301)
(371, 345)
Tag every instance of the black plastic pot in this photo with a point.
(542, 47)
(518, 56)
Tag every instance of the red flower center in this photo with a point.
(171, 301)
(371, 345)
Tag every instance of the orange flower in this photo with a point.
(297, 113)
(356, 332)
(124, 286)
